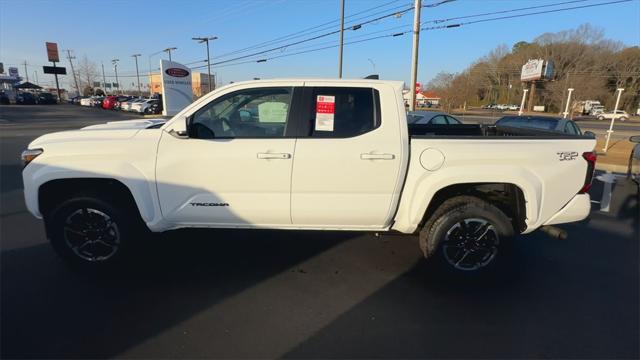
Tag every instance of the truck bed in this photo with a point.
(484, 131)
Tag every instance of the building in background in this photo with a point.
(199, 83)
(423, 98)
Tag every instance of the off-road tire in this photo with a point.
(452, 212)
(128, 226)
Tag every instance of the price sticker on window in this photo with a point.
(325, 112)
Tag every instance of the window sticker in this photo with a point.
(275, 112)
(325, 111)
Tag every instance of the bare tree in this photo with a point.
(88, 72)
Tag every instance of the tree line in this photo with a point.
(583, 59)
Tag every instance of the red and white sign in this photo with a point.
(52, 51)
(325, 112)
(418, 88)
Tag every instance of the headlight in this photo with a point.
(30, 154)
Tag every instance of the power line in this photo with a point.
(503, 11)
(425, 28)
(355, 27)
(522, 15)
(308, 31)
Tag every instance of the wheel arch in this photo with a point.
(507, 197)
(53, 192)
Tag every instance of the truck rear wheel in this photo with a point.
(466, 234)
(91, 233)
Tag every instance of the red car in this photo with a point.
(109, 102)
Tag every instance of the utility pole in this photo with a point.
(414, 63)
(115, 68)
(104, 80)
(168, 50)
(566, 109)
(341, 39)
(524, 97)
(35, 75)
(135, 56)
(26, 72)
(613, 119)
(206, 40)
(75, 80)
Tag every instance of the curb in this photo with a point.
(614, 168)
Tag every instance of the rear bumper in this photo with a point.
(577, 209)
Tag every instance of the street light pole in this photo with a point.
(135, 56)
(115, 68)
(414, 63)
(104, 79)
(168, 50)
(613, 119)
(206, 40)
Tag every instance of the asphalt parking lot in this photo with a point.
(197, 293)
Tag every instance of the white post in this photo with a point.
(613, 118)
(566, 108)
(524, 97)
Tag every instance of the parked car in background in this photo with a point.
(431, 117)
(596, 110)
(633, 171)
(555, 124)
(4, 99)
(142, 106)
(155, 108)
(618, 114)
(97, 101)
(46, 98)
(513, 107)
(86, 101)
(126, 105)
(109, 102)
(25, 98)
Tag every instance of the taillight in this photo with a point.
(590, 157)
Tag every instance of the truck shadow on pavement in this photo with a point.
(555, 299)
(50, 311)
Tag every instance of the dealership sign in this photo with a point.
(177, 92)
(532, 70)
(52, 52)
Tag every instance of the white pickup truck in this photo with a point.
(305, 154)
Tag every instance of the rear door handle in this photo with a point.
(377, 156)
(274, 156)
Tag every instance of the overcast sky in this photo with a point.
(104, 30)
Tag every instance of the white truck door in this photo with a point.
(235, 166)
(347, 170)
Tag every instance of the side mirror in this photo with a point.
(635, 139)
(179, 128)
(590, 134)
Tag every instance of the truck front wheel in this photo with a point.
(466, 234)
(91, 233)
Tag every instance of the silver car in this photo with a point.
(432, 118)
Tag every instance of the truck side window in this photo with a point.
(250, 113)
(340, 112)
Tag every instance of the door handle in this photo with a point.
(377, 156)
(274, 156)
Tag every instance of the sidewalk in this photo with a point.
(616, 159)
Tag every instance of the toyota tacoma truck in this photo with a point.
(305, 154)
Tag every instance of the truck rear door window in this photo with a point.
(341, 112)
